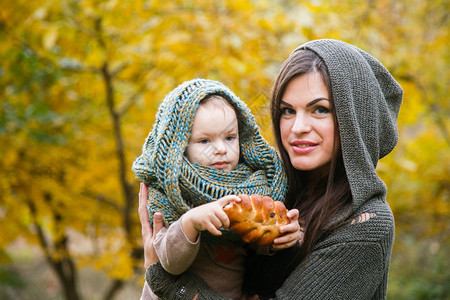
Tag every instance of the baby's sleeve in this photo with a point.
(175, 252)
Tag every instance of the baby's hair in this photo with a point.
(217, 100)
(220, 102)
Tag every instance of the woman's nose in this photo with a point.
(301, 125)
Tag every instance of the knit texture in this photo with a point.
(169, 286)
(367, 100)
(352, 261)
(177, 185)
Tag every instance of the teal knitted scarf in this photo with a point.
(177, 185)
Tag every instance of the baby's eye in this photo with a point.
(230, 138)
(287, 111)
(203, 141)
(321, 110)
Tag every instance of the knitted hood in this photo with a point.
(367, 101)
(162, 161)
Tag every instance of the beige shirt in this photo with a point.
(221, 267)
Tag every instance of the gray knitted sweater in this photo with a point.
(352, 262)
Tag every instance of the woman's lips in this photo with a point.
(303, 147)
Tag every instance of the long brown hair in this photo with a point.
(318, 201)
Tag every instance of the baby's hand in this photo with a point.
(292, 232)
(210, 217)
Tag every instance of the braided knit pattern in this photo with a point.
(176, 185)
(367, 100)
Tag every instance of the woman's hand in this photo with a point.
(148, 233)
(292, 232)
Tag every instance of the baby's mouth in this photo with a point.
(220, 165)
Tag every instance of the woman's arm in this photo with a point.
(148, 235)
(344, 271)
(185, 286)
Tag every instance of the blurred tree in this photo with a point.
(76, 77)
(80, 82)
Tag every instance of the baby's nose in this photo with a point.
(220, 148)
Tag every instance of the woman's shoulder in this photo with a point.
(371, 223)
(377, 210)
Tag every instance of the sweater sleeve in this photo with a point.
(184, 286)
(341, 271)
(350, 269)
(175, 252)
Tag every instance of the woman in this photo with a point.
(334, 110)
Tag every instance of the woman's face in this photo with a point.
(307, 124)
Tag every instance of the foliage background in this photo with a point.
(81, 80)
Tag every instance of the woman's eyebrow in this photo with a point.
(285, 103)
(315, 101)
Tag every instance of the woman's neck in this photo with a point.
(318, 174)
(313, 178)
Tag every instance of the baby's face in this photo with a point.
(214, 138)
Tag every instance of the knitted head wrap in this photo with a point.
(367, 101)
(175, 184)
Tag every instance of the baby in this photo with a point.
(205, 148)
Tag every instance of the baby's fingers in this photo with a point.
(227, 199)
(221, 215)
(223, 219)
(213, 227)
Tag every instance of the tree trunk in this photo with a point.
(64, 267)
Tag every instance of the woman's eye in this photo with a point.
(287, 111)
(321, 110)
